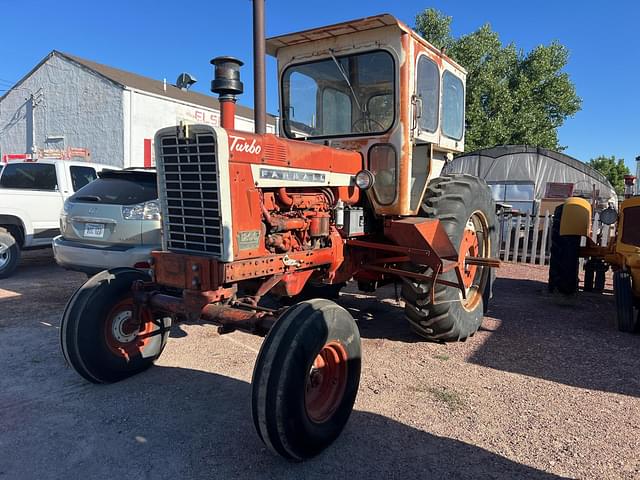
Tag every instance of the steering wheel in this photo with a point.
(366, 123)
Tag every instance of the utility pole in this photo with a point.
(35, 99)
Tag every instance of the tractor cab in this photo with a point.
(375, 86)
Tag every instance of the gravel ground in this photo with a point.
(548, 388)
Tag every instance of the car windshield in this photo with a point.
(119, 188)
(339, 96)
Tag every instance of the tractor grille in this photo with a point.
(190, 194)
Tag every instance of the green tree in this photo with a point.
(612, 168)
(512, 97)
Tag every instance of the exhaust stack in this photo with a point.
(226, 83)
(259, 78)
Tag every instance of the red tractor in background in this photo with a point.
(352, 190)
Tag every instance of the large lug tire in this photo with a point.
(465, 208)
(9, 253)
(306, 379)
(96, 334)
(622, 290)
(563, 261)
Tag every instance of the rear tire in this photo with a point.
(97, 340)
(9, 253)
(563, 261)
(306, 379)
(461, 203)
(622, 290)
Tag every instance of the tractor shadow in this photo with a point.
(569, 340)
(379, 315)
(182, 423)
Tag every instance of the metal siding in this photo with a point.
(83, 107)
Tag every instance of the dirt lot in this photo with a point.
(548, 388)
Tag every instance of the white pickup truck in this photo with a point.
(32, 193)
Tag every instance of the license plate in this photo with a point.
(95, 230)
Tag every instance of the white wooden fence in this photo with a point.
(525, 238)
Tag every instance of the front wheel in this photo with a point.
(623, 293)
(9, 253)
(306, 379)
(564, 259)
(98, 336)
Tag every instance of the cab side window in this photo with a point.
(80, 176)
(30, 176)
(452, 106)
(429, 91)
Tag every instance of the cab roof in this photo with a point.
(345, 28)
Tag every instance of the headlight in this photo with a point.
(142, 211)
(609, 216)
(364, 179)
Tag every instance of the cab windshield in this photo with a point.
(339, 96)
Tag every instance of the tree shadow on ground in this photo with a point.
(181, 423)
(570, 340)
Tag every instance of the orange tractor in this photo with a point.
(352, 190)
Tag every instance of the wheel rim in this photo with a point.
(326, 382)
(4, 255)
(475, 243)
(123, 337)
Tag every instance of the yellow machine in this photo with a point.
(571, 222)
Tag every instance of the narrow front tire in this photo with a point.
(306, 379)
(623, 292)
(99, 339)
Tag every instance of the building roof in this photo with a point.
(145, 84)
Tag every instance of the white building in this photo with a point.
(67, 106)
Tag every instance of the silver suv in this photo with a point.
(112, 222)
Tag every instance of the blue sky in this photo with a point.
(161, 39)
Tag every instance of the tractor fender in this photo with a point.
(576, 217)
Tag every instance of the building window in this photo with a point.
(80, 176)
(429, 92)
(30, 176)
